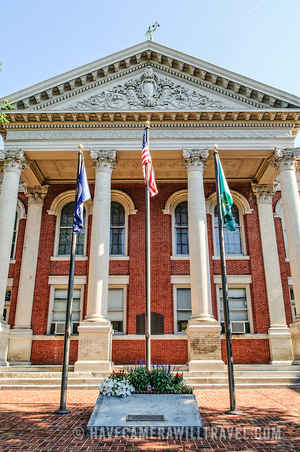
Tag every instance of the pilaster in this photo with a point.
(279, 334)
(21, 335)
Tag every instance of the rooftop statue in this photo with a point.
(150, 30)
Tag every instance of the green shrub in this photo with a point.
(181, 388)
(119, 375)
(161, 380)
(177, 378)
(139, 378)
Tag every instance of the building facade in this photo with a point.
(191, 105)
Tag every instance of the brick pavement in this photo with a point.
(270, 422)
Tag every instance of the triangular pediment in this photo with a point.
(151, 77)
(149, 89)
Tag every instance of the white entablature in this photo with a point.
(218, 84)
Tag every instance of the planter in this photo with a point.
(146, 415)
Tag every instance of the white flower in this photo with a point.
(118, 388)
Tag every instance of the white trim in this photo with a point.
(243, 208)
(180, 279)
(234, 279)
(181, 257)
(248, 336)
(118, 279)
(180, 285)
(135, 337)
(129, 209)
(67, 258)
(172, 202)
(237, 285)
(123, 286)
(60, 285)
(119, 258)
(233, 257)
(63, 280)
(55, 209)
(239, 200)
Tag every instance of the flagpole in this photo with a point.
(148, 266)
(64, 379)
(227, 325)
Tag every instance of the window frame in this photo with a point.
(7, 303)
(124, 289)
(118, 256)
(237, 285)
(292, 302)
(175, 287)
(57, 235)
(51, 304)
(130, 209)
(172, 202)
(243, 208)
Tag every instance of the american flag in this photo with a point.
(147, 165)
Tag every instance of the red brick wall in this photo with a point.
(162, 351)
(162, 268)
(51, 352)
(248, 351)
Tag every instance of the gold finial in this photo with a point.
(80, 147)
(147, 124)
(215, 147)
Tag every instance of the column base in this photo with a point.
(295, 335)
(204, 345)
(280, 342)
(94, 346)
(4, 337)
(19, 347)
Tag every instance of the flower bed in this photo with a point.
(159, 380)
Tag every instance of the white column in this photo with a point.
(21, 335)
(13, 165)
(285, 160)
(279, 334)
(95, 331)
(203, 331)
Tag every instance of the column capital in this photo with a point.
(36, 193)
(264, 192)
(13, 159)
(285, 158)
(195, 157)
(104, 158)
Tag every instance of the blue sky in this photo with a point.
(257, 38)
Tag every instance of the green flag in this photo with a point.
(226, 198)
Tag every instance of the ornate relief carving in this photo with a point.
(104, 159)
(284, 158)
(152, 92)
(264, 192)
(195, 157)
(13, 159)
(36, 194)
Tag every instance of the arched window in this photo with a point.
(117, 229)
(181, 224)
(232, 239)
(65, 232)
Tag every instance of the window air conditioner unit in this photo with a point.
(59, 328)
(238, 327)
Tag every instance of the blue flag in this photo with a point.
(226, 199)
(82, 195)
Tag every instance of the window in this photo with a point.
(278, 213)
(117, 229)
(66, 230)
(59, 310)
(5, 313)
(232, 239)
(115, 312)
(14, 238)
(181, 229)
(183, 308)
(238, 309)
(293, 303)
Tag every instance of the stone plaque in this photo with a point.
(145, 417)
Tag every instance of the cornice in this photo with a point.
(40, 120)
(200, 73)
